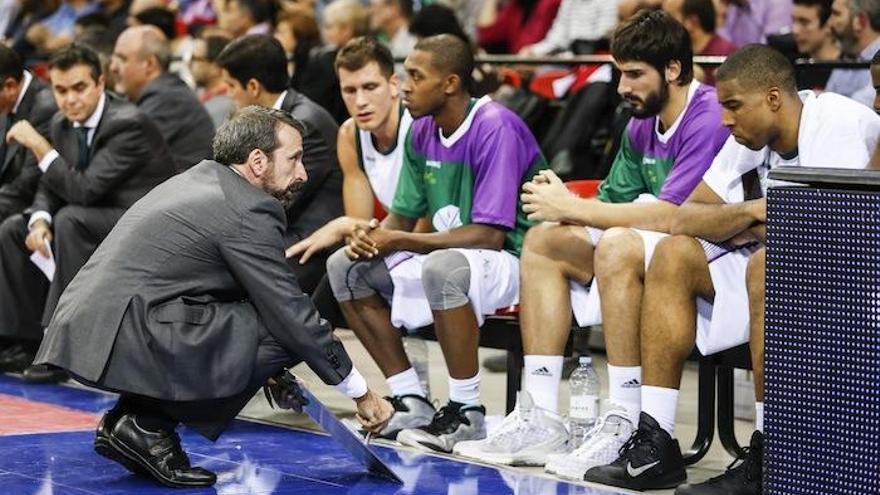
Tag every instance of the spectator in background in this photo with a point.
(209, 77)
(30, 14)
(750, 21)
(243, 17)
(435, 19)
(56, 31)
(814, 39)
(577, 20)
(342, 21)
(140, 68)
(390, 19)
(856, 23)
(698, 19)
(467, 12)
(101, 40)
(138, 6)
(181, 46)
(506, 26)
(117, 13)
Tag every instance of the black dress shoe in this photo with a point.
(103, 447)
(16, 358)
(158, 453)
(44, 373)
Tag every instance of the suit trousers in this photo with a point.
(31, 300)
(211, 417)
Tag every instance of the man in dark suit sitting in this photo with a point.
(140, 69)
(102, 155)
(188, 307)
(22, 97)
(255, 69)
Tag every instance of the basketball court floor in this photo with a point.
(46, 435)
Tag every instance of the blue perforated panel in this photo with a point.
(823, 343)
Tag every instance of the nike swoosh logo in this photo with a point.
(636, 472)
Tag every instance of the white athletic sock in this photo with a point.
(405, 383)
(625, 389)
(542, 376)
(465, 391)
(759, 416)
(661, 403)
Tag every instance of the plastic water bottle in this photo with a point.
(417, 351)
(584, 402)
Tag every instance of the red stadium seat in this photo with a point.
(586, 188)
(379, 212)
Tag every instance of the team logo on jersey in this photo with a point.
(432, 163)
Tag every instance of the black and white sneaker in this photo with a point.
(453, 423)
(743, 476)
(649, 460)
(410, 411)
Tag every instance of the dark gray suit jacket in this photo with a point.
(182, 119)
(320, 200)
(128, 158)
(176, 300)
(19, 174)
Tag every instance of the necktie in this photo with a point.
(82, 140)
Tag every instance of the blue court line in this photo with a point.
(249, 459)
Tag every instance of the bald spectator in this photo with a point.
(140, 69)
(391, 18)
(856, 23)
(698, 18)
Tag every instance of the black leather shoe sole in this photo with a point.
(134, 457)
(104, 449)
(42, 374)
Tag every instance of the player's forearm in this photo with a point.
(472, 236)
(715, 222)
(655, 216)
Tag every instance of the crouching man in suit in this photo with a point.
(189, 307)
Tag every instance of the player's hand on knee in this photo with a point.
(373, 411)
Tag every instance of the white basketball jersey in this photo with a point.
(383, 169)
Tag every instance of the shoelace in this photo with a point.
(446, 420)
(635, 441)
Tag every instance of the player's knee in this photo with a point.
(543, 240)
(446, 277)
(676, 257)
(620, 251)
(340, 275)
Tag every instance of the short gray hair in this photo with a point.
(871, 9)
(251, 128)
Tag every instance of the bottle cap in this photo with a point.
(585, 360)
